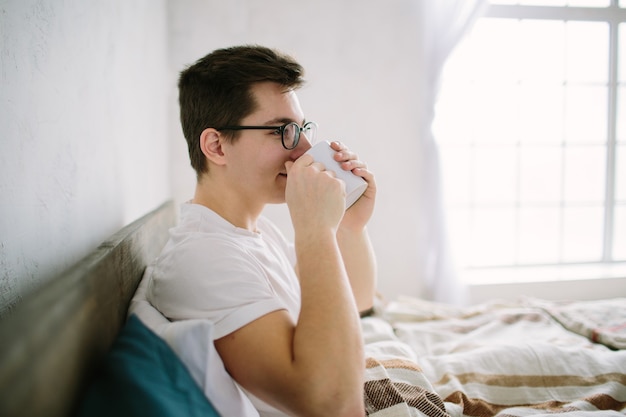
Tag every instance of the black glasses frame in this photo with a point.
(281, 129)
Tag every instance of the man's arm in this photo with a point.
(359, 259)
(354, 243)
(315, 366)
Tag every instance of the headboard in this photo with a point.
(53, 341)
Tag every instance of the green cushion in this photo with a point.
(142, 376)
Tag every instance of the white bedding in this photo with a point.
(527, 358)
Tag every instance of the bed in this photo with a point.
(91, 331)
(530, 357)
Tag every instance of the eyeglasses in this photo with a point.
(289, 132)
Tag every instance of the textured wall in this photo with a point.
(83, 130)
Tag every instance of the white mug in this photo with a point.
(355, 185)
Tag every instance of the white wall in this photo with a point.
(362, 64)
(89, 131)
(83, 130)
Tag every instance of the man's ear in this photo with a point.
(211, 146)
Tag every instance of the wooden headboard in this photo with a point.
(54, 340)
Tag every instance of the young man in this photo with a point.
(286, 316)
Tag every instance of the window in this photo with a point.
(531, 124)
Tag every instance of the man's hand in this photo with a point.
(315, 197)
(359, 213)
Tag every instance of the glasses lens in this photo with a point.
(290, 135)
(292, 132)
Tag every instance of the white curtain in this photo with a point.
(444, 23)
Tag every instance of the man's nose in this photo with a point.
(303, 145)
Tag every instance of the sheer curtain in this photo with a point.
(444, 23)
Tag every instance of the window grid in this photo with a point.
(609, 213)
(483, 216)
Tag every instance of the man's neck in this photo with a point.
(227, 204)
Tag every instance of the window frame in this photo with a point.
(613, 15)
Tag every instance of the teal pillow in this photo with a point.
(142, 376)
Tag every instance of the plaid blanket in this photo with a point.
(397, 387)
(601, 321)
(491, 360)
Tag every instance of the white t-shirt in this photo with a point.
(213, 270)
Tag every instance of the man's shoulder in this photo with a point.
(204, 252)
(202, 234)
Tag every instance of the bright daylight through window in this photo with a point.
(531, 124)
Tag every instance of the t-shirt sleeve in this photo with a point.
(224, 285)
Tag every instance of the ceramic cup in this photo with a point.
(355, 185)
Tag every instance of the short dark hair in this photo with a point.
(216, 90)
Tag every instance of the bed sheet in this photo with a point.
(528, 358)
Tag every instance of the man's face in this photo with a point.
(256, 161)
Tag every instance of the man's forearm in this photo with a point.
(327, 337)
(360, 262)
